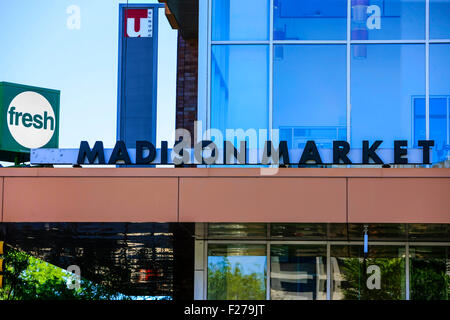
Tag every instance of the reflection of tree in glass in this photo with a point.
(230, 283)
(354, 285)
(429, 280)
(28, 278)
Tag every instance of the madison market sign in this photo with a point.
(208, 153)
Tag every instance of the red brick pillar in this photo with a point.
(187, 77)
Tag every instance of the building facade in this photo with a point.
(278, 70)
(320, 70)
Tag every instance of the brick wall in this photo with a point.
(187, 76)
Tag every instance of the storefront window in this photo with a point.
(379, 276)
(230, 20)
(310, 94)
(240, 87)
(439, 19)
(384, 80)
(298, 272)
(310, 20)
(26, 277)
(429, 273)
(237, 272)
(388, 19)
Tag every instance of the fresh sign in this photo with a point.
(31, 120)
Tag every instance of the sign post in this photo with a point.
(138, 66)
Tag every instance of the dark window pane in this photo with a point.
(237, 230)
(299, 231)
(429, 232)
(377, 231)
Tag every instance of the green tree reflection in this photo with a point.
(28, 278)
(429, 279)
(354, 284)
(226, 282)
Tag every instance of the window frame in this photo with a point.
(206, 43)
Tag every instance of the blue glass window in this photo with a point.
(440, 100)
(438, 125)
(310, 20)
(240, 20)
(240, 87)
(384, 81)
(310, 93)
(420, 129)
(388, 19)
(440, 19)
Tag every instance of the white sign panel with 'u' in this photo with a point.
(139, 23)
(31, 120)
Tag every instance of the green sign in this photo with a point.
(29, 119)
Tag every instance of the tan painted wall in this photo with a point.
(225, 195)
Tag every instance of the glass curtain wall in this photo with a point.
(327, 262)
(329, 70)
(300, 271)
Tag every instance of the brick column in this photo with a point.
(187, 76)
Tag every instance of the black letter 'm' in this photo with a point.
(96, 152)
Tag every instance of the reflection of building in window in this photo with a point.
(296, 137)
(439, 125)
(220, 87)
(338, 278)
(299, 278)
(300, 20)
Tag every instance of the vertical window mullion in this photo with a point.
(328, 270)
(349, 106)
(208, 107)
(407, 271)
(427, 69)
(448, 120)
(270, 126)
(268, 271)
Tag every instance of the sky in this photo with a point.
(38, 48)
